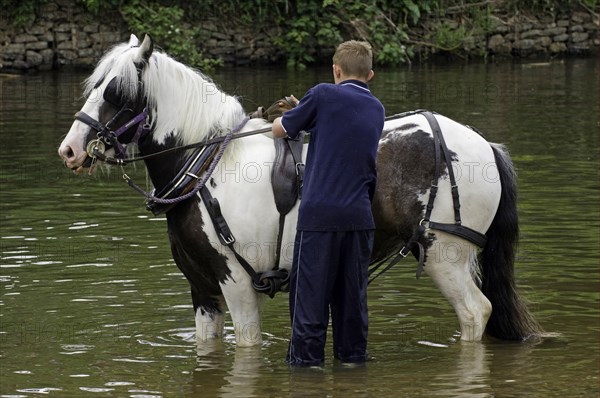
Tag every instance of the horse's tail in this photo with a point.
(510, 319)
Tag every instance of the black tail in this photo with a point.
(510, 319)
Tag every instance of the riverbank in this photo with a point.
(64, 33)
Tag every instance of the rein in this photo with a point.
(99, 152)
(216, 140)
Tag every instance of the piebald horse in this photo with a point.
(156, 103)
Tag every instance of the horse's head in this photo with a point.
(115, 109)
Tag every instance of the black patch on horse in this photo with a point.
(203, 266)
(405, 168)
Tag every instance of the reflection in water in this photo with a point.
(470, 375)
(337, 380)
(217, 375)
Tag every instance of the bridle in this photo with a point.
(106, 135)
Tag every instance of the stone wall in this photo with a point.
(518, 37)
(237, 45)
(572, 34)
(64, 33)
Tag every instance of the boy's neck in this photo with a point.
(344, 78)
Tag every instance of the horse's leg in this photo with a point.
(210, 324)
(243, 303)
(451, 263)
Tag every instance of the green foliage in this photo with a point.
(19, 12)
(168, 27)
(326, 23)
(97, 5)
(449, 37)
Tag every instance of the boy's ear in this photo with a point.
(337, 71)
(370, 75)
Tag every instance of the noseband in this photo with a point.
(107, 137)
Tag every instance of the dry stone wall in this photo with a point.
(64, 33)
(523, 36)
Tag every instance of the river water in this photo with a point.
(91, 303)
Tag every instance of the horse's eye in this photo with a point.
(112, 94)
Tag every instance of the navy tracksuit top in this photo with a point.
(345, 121)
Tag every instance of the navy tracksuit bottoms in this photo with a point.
(329, 271)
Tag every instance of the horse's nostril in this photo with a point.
(66, 153)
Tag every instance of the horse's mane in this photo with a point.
(182, 101)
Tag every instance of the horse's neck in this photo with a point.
(163, 168)
(186, 110)
(189, 104)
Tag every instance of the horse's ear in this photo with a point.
(133, 41)
(146, 48)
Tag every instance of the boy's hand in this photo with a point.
(279, 107)
(293, 99)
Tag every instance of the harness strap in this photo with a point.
(467, 233)
(111, 137)
(279, 240)
(194, 167)
(408, 247)
(269, 282)
(90, 121)
(137, 158)
(448, 159)
(441, 153)
(457, 228)
(440, 143)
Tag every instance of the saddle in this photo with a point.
(287, 174)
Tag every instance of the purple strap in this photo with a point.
(200, 183)
(136, 120)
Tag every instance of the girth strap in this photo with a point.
(269, 282)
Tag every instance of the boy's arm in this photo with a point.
(278, 130)
(302, 117)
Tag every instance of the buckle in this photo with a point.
(227, 240)
(401, 252)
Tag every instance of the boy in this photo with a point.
(335, 228)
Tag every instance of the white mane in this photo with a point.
(181, 100)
